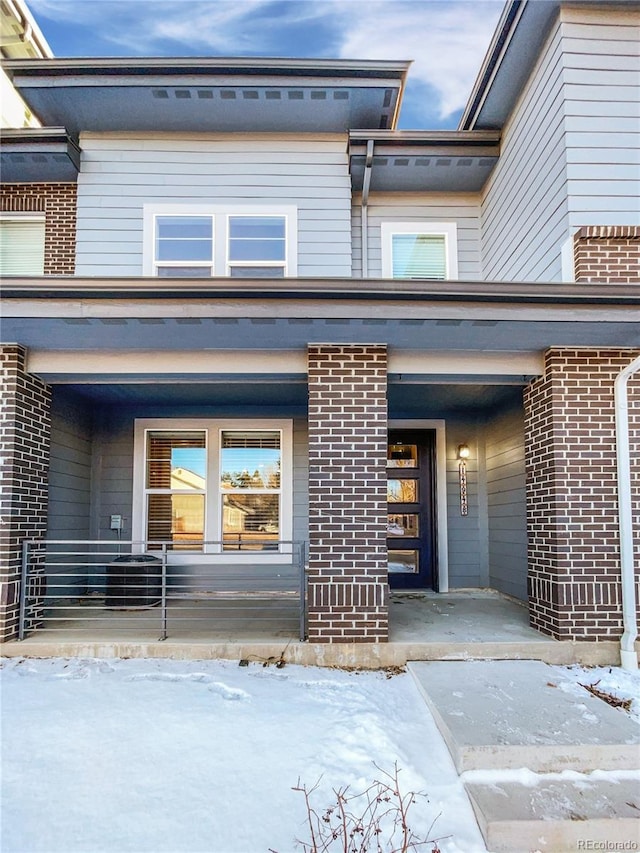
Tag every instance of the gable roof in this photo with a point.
(211, 93)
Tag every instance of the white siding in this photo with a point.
(601, 60)
(120, 173)
(524, 205)
(462, 209)
(571, 148)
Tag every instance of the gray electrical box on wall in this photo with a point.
(116, 522)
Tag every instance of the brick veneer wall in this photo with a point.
(608, 254)
(25, 429)
(348, 590)
(58, 204)
(572, 508)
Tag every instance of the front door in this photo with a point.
(410, 509)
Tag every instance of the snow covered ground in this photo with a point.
(200, 757)
(168, 756)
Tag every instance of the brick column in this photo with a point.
(572, 502)
(348, 591)
(25, 430)
(608, 254)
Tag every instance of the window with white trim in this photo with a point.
(202, 241)
(419, 250)
(213, 486)
(22, 245)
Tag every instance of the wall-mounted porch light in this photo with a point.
(463, 455)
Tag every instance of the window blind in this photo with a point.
(419, 256)
(22, 247)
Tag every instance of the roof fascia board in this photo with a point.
(502, 36)
(425, 136)
(211, 67)
(21, 287)
(36, 135)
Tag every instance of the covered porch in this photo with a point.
(460, 625)
(447, 363)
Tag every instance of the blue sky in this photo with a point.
(446, 39)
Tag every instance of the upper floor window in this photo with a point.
(184, 246)
(257, 246)
(417, 250)
(202, 241)
(22, 245)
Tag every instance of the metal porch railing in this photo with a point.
(164, 587)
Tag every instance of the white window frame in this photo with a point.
(220, 214)
(213, 499)
(39, 218)
(448, 230)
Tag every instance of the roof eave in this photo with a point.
(40, 154)
(511, 56)
(211, 94)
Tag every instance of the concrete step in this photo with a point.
(512, 714)
(558, 815)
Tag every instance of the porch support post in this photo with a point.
(575, 589)
(348, 589)
(25, 435)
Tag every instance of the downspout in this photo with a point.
(628, 657)
(364, 212)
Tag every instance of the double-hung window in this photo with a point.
(257, 246)
(183, 246)
(419, 250)
(22, 244)
(212, 486)
(203, 241)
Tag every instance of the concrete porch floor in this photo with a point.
(461, 625)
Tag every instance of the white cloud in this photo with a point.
(446, 39)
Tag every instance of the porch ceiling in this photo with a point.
(405, 399)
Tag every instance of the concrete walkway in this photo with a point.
(498, 717)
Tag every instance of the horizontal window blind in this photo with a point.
(176, 460)
(22, 247)
(253, 438)
(419, 256)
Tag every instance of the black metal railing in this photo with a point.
(130, 586)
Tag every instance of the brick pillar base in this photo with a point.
(572, 506)
(25, 430)
(348, 590)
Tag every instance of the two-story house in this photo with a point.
(243, 310)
